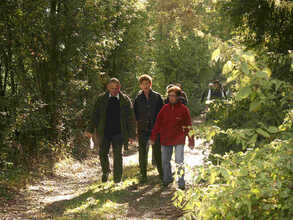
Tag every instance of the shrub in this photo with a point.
(256, 184)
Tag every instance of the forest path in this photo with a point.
(75, 191)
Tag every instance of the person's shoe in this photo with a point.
(117, 181)
(166, 184)
(105, 177)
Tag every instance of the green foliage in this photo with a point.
(264, 26)
(54, 57)
(252, 185)
(251, 133)
(181, 53)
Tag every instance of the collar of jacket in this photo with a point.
(122, 98)
(176, 105)
(141, 93)
(117, 96)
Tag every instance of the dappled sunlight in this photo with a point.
(110, 199)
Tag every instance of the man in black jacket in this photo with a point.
(147, 105)
(113, 122)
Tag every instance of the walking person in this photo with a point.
(147, 105)
(173, 124)
(113, 122)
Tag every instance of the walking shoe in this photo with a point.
(117, 180)
(105, 177)
(166, 184)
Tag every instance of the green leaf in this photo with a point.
(243, 93)
(243, 171)
(261, 74)
(253, 140)
(216, 55)
(263, 133)
(273, 130)
(228, 67)
(254, 106)
(213, 176)
(244, 68)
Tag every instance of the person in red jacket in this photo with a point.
(172, 123)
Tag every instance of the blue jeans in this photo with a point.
(167, 152)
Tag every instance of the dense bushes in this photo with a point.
(250, 176)
(256, 184)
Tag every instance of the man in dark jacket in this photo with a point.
(113, 122)
(147, 105)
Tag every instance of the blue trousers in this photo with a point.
(167, 152)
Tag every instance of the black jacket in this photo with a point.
(146, 111)
(99, 117)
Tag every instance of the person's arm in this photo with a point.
(95, 117)
(157, 127)
(135, 106)
(160, 104)
(224, 94)
(203, 96)
(188, 125)
(131, 120)
(209, 95)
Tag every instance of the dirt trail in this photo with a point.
(72, 178)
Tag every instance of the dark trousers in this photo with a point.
(117, 142)
(143, 155)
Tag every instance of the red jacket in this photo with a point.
(170, 124)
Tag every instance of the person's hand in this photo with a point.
(151, 142)
(88, 134)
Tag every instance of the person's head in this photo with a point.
(217, 84)
(173, 94)
(145, 82)
(114, 86)
(169, 86)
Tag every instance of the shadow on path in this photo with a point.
(134, 200)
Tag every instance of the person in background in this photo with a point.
(173, 124)
(147, 105)
(206, 92)
(216, 92)
(113, 122)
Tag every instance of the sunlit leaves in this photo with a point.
(216, 55)
(254, 106)
(247, 185)
(244, 68)
(228, 67)
(244, 93)
(263, 132)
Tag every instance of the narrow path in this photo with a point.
(72, 183)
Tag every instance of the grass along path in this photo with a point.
(75, 191)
